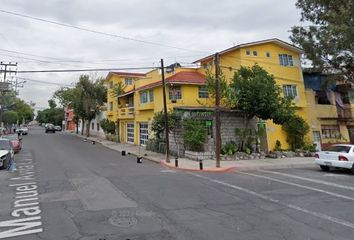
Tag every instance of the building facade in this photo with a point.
(133, 110)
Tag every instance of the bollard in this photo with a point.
(123, 152)
(176, 162)
(93, 142)
(139, 159)
(201, 164)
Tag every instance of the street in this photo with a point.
(90, 192)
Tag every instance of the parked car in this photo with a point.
(15, 141)
(57, 128)
(336, 156)
(50, 128)
(22, 130)
(6, 153)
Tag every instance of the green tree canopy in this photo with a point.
(10, 117)
(328, 38)
(256, 94)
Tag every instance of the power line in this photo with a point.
(98, 32)
(85, 70)
(45, 82)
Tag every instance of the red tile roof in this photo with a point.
(194, 78)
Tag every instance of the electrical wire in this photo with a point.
(45, 82)
(98, 32)
(85, 70)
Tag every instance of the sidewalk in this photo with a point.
(208, 165)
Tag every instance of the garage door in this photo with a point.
(130, 133)
(143, 133)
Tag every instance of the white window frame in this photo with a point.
(203, 92)
(290, 90)
(248, 52)
(254, 53)
(146, 96)
(178, 94)
(128, 81)
(286, 60)
(143, 137)
(132, 136)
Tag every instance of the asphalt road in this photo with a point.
(89, 192)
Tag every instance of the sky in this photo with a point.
(182, 31)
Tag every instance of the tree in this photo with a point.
(108, 126)
(158, 123)
(255, 93)
(211, 84)
(10, 117)
(52, 114)
(92, 97)
(118, 89)
(195, 134)
(329, 41)
(296, 129)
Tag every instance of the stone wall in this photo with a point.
(229, 121)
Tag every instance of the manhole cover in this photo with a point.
(123, 219)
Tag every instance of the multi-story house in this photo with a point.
(330, 105)
(278, 58)
(134, 110)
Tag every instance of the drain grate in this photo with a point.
(123, 218)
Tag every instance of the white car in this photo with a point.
(6, 153)
(336, 156)
(22, 130)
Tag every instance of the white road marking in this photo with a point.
(310, 180)
(300, 186)
(273, 200)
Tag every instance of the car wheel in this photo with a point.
(324, 168)
(352, 169)
(5, 164)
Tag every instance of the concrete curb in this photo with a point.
(213, 170)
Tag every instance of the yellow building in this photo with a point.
(278, 58)
(134, 110)
(330, 110)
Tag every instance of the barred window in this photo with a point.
(289, 91)
(330, 131)
(128, 81)
(147, 96)
(286, 60)
(203, 92)
(175, 92)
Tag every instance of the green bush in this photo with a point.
(158, 123)
(108, 126)
(296, 128)
(195, 134)
(229, 148)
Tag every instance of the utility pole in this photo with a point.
(217, 111)
(165, 112)
(5, 70)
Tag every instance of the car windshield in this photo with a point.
(5, 145)
(341, 149)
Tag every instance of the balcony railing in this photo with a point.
(127, 112)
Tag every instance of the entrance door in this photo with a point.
(130, 133)
(143, 133)
(317, 140)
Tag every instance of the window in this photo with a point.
(175, 92)
(128, 81)
(98, 127)
(330, 131)
(203, 92)
(248, 52)
(268, 54)
(286, 60)
(93, 126)
(289, 91)
(143, 133)
(130, 133)
(110, 106)
(111, 84)
(255, 53)
(322, 97)
(340, 149)
(146, 96)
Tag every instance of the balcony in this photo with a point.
(345, 113)
(126, 113)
